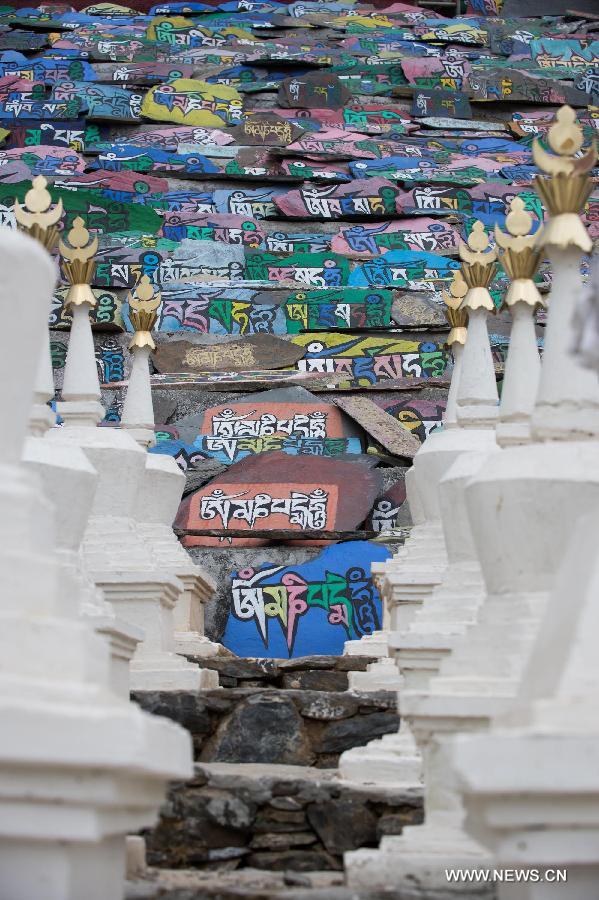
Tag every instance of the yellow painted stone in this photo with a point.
(172, 30)
(109, 9)
(163, 28)
(186, 101)
(365, 21)
(3, 135)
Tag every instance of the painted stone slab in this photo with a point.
(371, 197)
(386, 509)
(441, 103)
(419, 310)
(404, 269)
(313, 92)
(167, 139)
(224, 310)
(388, 431)
(364, 361)
(130, 158)
(420, 234)
(488, 203)
(312, 119)
(447, 72)
(257, 351)
(77, 135)
(313, 608)
(272, 491)
(187, 203)
(117, 49)
(14, 171)
(315, 171)
(285, 242)
(420, 416)
(443, 123)
(346, 308)
(48, 71)
(189, 102)
(143, 73)
(460, 31)
(124, 186)
(47, 161)
(376, 118)
(258, 204)
(275, 420)
(266, 129)
(513, 85)
(22, 40)
(224, 228)
(22, 105)
(99, 213)
(105, 316)
(106, 102)
(332, 143)
(430, 168)
(123, 267)
(549, 53)
(318, 270)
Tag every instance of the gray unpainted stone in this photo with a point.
(265, 728)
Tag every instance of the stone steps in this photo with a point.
(316, 673)
(276, 818)
(275, 726)
(246, 884)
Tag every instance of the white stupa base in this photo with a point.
(382, 675)
(373, 645)
(123, 638)
(533, 798)
(169, 672)
(80, 413)
(415, 864)
(392, 760)
(190, 643)
(74, 778)
(148, 603)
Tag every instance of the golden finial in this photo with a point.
(457, 318)
(79, 263)
(520, 259)
(568, 187)
(143, 301)
(37, 217)
(478, 269)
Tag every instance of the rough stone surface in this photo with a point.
(266, 725)
(343, 824)
(317, 673)
(355, 732)
(273, 817)
(316, 680)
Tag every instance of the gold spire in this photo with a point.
(143, 301)
(479, 266)
(568, 187)
(37, 217)
(79, 263)
(457, 317)
(520, 259)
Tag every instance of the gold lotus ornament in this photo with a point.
(521, 256)
(568, 187)
(78, 256)
(479, 266)
(38, 217)
(143, 301)
(455, 315)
